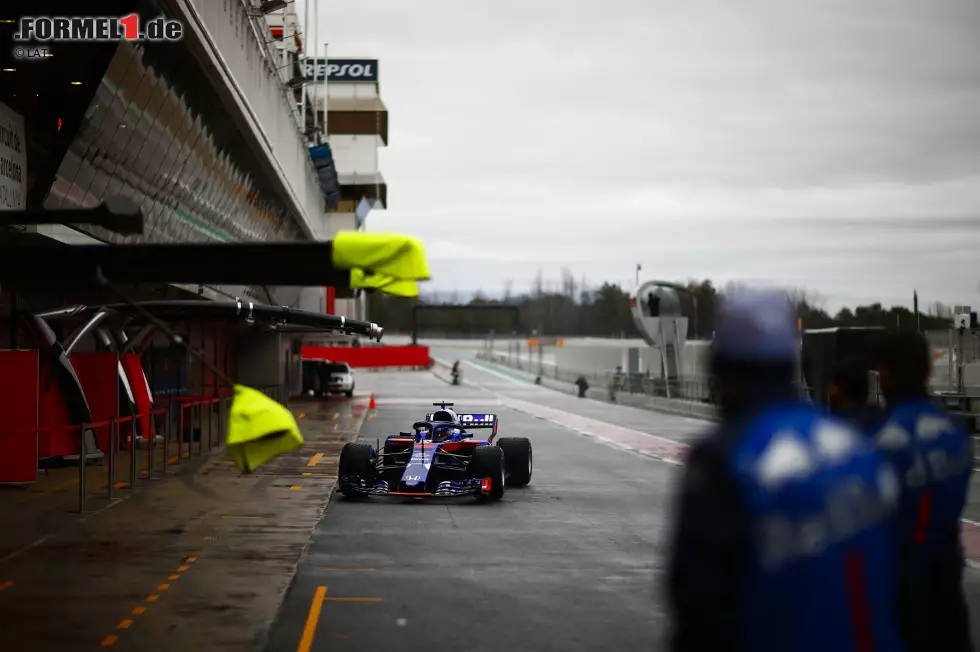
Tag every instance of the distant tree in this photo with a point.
(537, 288)
(938, 309)
(569, 307)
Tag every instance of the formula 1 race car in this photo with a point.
(440, 457)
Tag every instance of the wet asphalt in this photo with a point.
(571, 562)
(574, 561)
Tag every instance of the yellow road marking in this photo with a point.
(109, 640)
(163, 587)
(152, 597)
(124, 624)
(301, 415)
(295, 487)
(306, 473)
(355, 599)
(191, 560)
(182, 568)
(138, 610)
(314, 460)
(370, 416)
(336, 415)
(174, 458)
(312, 618)
(120, 485)
(348, 570)
(174, 577)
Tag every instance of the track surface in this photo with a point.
(572, 562)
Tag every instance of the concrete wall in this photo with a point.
(247, 78)
(595, 355)
(355, 154)
(656, 403)
(344, 91)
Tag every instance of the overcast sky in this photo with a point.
(827, 144)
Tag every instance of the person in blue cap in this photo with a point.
(783, 535)
(933, 455)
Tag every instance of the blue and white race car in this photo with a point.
(439, 457)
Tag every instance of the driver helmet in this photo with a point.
(444, 416)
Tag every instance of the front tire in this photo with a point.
(359, 459)
(488, 462)
(518, 460)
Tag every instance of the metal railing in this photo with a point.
(698, 389)
(691, 389)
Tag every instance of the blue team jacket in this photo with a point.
(934, 458)
(822, 502)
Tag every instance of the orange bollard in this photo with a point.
(372, 405)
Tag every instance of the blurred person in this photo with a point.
(616, 383)
(782, 540)
(933, 455)
(848, 394)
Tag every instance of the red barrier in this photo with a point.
(58, 436)
(19, 405)
(99, 375)
(370, 356)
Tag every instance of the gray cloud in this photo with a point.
(832, 144)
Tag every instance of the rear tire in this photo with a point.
(518, 460)
(360, 459)
(488, 462)
(350, 394)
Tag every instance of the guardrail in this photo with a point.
(692, 389)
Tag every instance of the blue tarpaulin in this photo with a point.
(326, 171)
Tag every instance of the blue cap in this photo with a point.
(756, 326)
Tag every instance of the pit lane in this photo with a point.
(569, 563)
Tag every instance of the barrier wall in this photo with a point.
(370, 356)
(19, 405)
(98, 371)
(55, 437)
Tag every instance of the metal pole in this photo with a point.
(166, 438)
(132, 455)
(326, 100)
(306, 57)
(111, 470)
(960, 355)
(315, 29)
(150, 437)
(81, 473)
(949, 360)
(180, 433)
(697, 331)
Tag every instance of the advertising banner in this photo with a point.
(342, 70)
(13, 160)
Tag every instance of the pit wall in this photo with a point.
(680, 407)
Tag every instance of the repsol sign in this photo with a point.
(342, 70)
